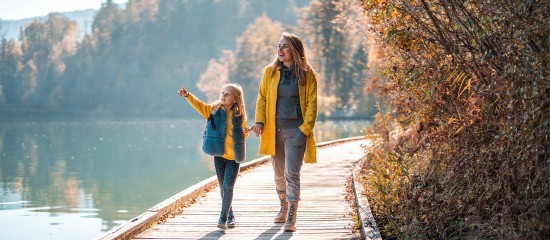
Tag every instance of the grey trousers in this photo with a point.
(290, 146)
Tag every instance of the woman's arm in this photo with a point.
(310, 116)
(258, 127)
(260, 102)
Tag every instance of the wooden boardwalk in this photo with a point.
(323, 212)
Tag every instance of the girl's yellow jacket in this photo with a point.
(266, 110)
(204, 110)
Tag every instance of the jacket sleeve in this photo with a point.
(201, 107)
(260, 102)
(310, 116)
(244, 126)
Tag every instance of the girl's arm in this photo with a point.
(204, 109)
(245, 129)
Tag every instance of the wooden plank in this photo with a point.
(142, 222)
(323, 211)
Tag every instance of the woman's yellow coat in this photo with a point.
(266, 110)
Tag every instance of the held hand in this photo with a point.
(258, 129)
(183, 92)
(246, 129)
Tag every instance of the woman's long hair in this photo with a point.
(299, 59)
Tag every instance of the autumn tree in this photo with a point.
(45, 45)
(10, 70)
(134, 55)
(337, 52)
(256, 48)
(469, 82)
(216, 75)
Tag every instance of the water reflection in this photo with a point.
(76, 179)
(330, 130)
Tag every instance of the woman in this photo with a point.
(286, 110)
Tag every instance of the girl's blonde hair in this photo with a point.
(237, 92)
(299, 59)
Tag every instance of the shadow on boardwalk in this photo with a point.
(323, 212)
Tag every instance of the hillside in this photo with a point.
(84, 18)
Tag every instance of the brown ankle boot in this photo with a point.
(290, 224)
(281, 216)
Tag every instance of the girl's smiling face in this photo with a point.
(284, 52)
(226, 98)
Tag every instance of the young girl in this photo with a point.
(224, 139)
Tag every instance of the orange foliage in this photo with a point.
(471, 81)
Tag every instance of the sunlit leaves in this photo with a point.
(256, 48)
(465, 76)
(216, 75)
(333, 31)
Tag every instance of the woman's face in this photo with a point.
(226, 98)
(285, 53)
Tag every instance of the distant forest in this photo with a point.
(137, 56)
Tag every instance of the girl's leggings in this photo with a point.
(227, 171)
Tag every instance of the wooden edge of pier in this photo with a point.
(368, 229)
(160, 211)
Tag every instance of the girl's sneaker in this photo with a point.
(222, 225)
(231, 223)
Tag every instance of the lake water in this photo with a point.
(76, 179)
